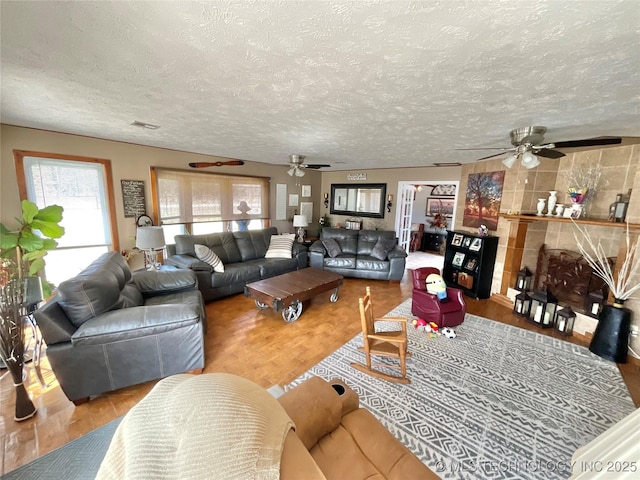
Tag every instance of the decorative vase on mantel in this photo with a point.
(611, 338)
(551, 203)
(540, 207)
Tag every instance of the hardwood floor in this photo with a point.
(241, 339)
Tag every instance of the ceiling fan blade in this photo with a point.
(494, 155)
(548, 153)
(216, 164)
(487, 148)
(589, 142)
(316, 165)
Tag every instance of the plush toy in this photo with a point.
(449, 332)
(419, 323)
(436, 286)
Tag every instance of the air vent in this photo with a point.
(148, 126)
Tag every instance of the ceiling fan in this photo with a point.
(297, 165)
(528, 142)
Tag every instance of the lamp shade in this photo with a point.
(149, 238)
(509, 161)
(529, 160)
(300, 221)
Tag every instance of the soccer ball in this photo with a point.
(448, 332)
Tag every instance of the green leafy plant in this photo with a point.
(33, 239)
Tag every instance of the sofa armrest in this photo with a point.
(299, 252)
(315, 408)
(397, 252)
(160, 283)
(54, 323)
(187, 261)
(317, 247)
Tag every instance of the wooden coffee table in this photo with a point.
(287, 292)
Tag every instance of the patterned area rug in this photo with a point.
(495, 402)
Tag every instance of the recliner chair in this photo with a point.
(426, 305)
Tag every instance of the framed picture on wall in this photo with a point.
(443, 206)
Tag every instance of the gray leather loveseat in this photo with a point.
(108, 328)
(243, 256)
(371, 254)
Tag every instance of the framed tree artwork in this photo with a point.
(482, 203)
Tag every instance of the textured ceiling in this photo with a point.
(355, 84)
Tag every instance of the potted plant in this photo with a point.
(22, 253)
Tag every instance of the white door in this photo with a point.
(405, 212)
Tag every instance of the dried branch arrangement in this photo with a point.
(627, 282)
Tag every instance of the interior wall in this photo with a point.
(133, 162)
(390, 176)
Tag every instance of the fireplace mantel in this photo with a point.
(601, 222)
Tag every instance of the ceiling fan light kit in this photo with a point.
(528, 146)
(296, 162)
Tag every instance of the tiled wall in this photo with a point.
(522, 189)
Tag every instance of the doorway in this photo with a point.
(414, 206)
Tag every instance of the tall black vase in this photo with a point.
(611, 338)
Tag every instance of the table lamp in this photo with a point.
(300, 221)
(150, 240)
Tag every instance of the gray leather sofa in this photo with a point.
(108, 328)
(243, 256)
(354, 255)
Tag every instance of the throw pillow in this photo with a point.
(333, 249)
(280, 246)
(383, 247)
(205, 254)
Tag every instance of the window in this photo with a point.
(80, 186)
(202, 202)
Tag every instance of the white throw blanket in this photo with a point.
(200, 427)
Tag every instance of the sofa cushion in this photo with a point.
(131, 296)
(280, 246)
(368, 239)
(383, 247)
(241, 272)
(254, 243)
(206, 255)
(118, 326)
(270, 267)
(365, 262)
(347, 239)
(341, 261)
(223, 244)
(333, 249)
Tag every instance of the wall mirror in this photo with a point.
(362, 200)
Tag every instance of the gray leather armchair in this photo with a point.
(108, 328)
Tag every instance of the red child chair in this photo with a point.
(427, 306)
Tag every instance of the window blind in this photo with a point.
(185, 197)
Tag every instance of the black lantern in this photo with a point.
(543, 308)
(595, 302)
(563, 321)
(522, 304)
(523, 282)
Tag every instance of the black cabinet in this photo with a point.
(432, 242)
(468, 263)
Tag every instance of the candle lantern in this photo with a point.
(564, 320)
(543, 308)
(524, 279)
(595, 302)
(522, 304)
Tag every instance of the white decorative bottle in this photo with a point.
(540, 207)
(559, 209)
(552, 202)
